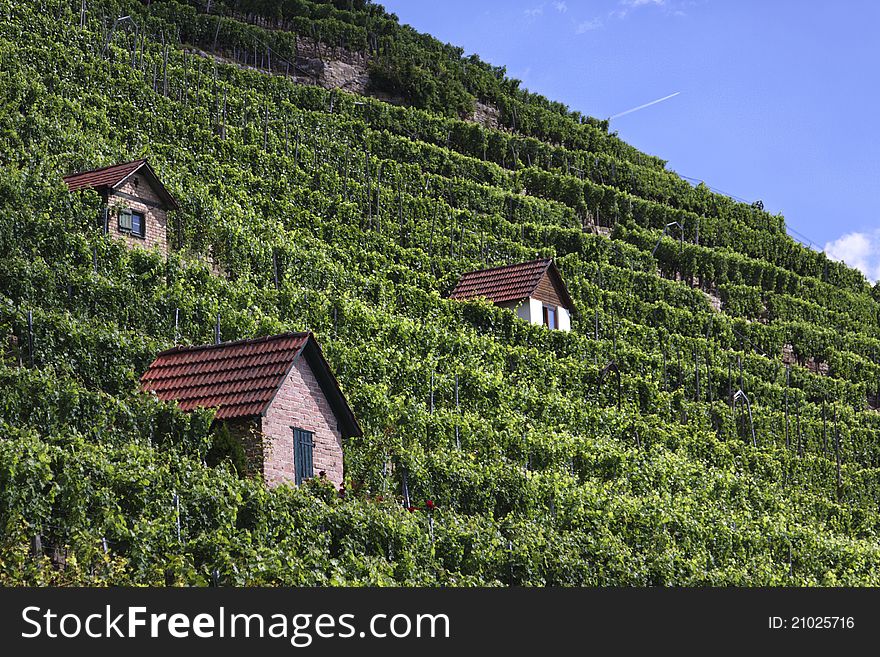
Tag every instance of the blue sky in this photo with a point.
(778, 99)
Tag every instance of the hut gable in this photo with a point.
(136, 203)
(551, 290)
(280, 388)
(534, 290)
(301, 406)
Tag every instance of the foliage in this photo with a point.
(354, 218)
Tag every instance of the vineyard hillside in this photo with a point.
(710, 419)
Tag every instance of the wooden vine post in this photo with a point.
(458, 411)
(741, 397)
(837, 455)
(787, 438)
(613, 367)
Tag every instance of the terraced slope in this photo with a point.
(311, 208)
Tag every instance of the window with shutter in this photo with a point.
(550, 316)
(125, 220)
(303, 449)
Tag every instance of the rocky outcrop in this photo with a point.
(486, 115)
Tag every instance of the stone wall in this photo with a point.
(138, 195)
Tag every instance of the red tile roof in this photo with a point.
(507, 283)
(113, 176)
(238, 378)
(105, 177)
(241, 378)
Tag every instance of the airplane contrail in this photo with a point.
(636, 109)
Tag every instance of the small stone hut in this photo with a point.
(135, 202)
(533, 290)
(276, 394)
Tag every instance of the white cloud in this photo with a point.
(642, 3)
(587, 26)
(629, 6)
(534, 12)
(859, 250)
(560, 6)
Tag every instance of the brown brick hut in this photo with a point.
(277, 394)
(136, 203)
(533, 290)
